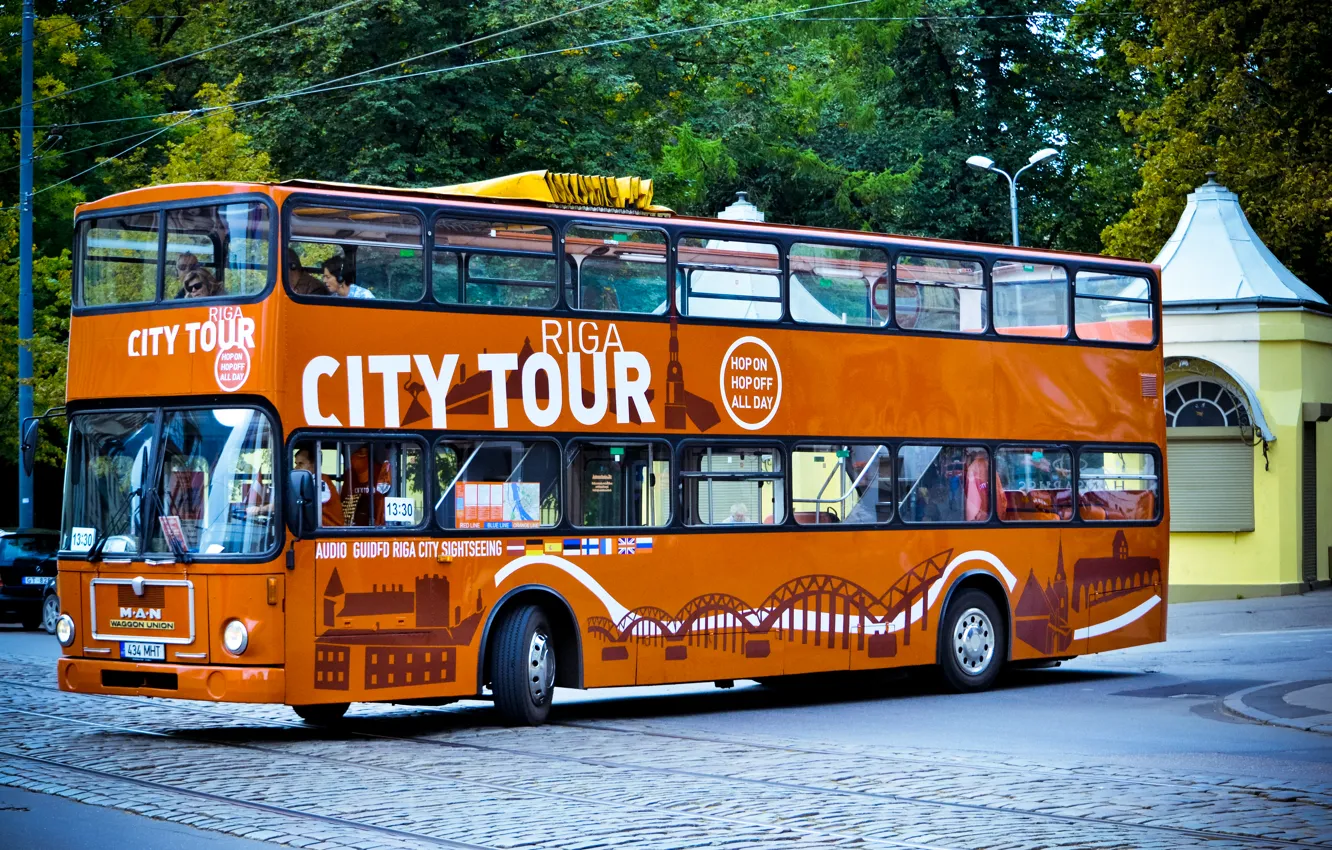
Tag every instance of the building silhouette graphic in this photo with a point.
(421, 654)
(1041, 619)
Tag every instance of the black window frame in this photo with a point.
(988, 445)
(783, 451)
(436, 494)
(78, 308)
(567, 262)
(1069, 277)
(1150, 301)
(1120, 448)
(929, 252)
(325, 435)
(889, 445)
(781, 274)
(365, 205)
(570, 446)
(1028, 445)
(152, 506)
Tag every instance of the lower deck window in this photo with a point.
(841, 483)
(1116, 486)
(733, 485)
(366, 483)
(1035, 484)
(497, 484)
(943, 483)
(620, 485)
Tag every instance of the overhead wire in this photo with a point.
(404, 61)
(209, 49)
(54, 154)
(199, 114)
(328, 85)
(102, 162)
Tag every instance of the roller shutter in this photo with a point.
(1211, 485)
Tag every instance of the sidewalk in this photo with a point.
(1300, 704)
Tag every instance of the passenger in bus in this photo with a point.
(977, 486)
(330, 499)
(927, 510)
(739, 514)
(302, 282)
(185, 263)
(339, 283)
(199, 283)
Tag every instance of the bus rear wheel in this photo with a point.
(326, 714)
(972, 642)
(522, 666)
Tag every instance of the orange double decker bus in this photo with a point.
(334, 444)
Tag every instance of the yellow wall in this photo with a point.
(1287, 357)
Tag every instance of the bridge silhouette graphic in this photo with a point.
(819, 609)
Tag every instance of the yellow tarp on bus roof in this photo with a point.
(558, 188)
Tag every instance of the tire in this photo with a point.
(522, 666)
(50, 612)
(326, 714)
(972, 642)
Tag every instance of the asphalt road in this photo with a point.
(1131, 748)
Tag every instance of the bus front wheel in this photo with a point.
(972, 642)
(325, 714)
(522, 666)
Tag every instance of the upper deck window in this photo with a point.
(358, 253)
(839, 285)
(939, 294)
(1030, 299)
(729, 280)
(493, 263)
(619, 269)
(121, 258)
(1112, 307)
(209, 251)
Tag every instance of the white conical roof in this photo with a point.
(1214, 256)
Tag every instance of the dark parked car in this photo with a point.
(28, 578)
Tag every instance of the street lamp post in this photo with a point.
(984, 163)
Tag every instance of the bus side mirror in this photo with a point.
(302, 506)
(28, 445)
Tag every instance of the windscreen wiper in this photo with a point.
(95, 551)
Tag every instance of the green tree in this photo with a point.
(51, 294)
(1248, 98)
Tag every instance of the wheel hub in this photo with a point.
(541, 669)
(973, 642)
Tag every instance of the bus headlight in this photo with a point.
(65, 630)
(235, 637)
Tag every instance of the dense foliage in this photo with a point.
(858, 115)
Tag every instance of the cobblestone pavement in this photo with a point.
(399, 777)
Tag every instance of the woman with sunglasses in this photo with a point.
(199, 283)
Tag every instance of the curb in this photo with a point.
(1234, 704)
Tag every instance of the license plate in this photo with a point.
(135, 650)
(38, 579)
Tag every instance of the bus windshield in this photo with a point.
(105, 473)
(211, 492)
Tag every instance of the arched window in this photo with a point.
(1203, 403)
